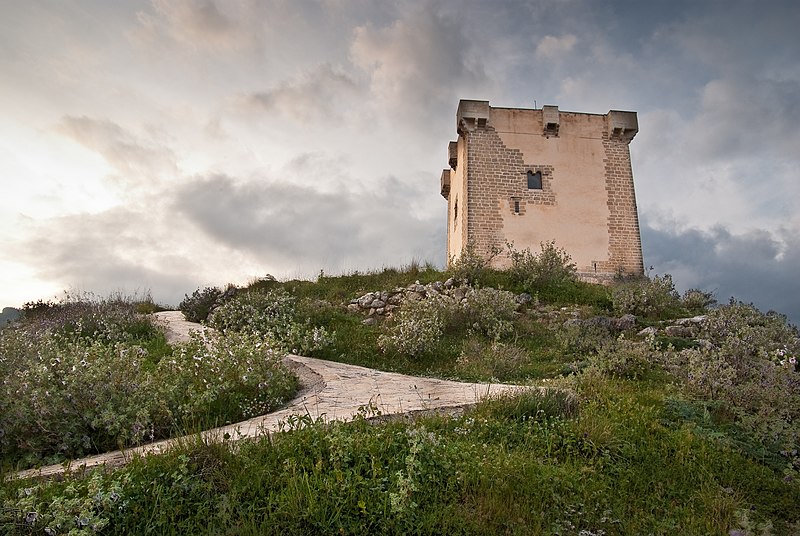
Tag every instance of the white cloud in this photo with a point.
(419, 63)
(553, 48)
(322, 94)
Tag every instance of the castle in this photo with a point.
(529, 176)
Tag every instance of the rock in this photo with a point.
(414, 296)
(693, 321)
(705, 344)
(353, 308)
(460, 293)
(389, 308)
(450, 283)
(369, 321)
(366, 300)
(378, 304)
(650, 330)
(524, 299)
(603, 322)
(384, 297)
(625, 322)
(380, 310)
(678, 331)
(371, 312)
(572, 322)
(395, 299)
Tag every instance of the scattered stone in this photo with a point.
(395, 299)
(380, 310)
(378, 304)
(603, 322)
(460, 293)
(524, 299)
(678, 331)
(450, 283)
(695, 320)
(353, 308)
(625, 322)
(366, 300)
(370, 321)
(649, 330)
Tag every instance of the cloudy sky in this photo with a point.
(165, 144)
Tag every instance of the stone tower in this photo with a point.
(530, 176)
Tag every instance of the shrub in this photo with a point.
(470, 265)
(697, 301)
(748, 365)
(552, 266)
(623, 358)
(271, 314)
(419, 325)
(489, 311)
(648, 297)
(582, 338)
(227, 378)
(196, 308)
(82, 378)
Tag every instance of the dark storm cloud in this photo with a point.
(135, 159)
(756, 267)
(302, 227)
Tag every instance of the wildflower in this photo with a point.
(793, 360)
(30, 518)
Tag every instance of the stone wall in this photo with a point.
(587, 202)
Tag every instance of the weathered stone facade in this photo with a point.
(530, 176)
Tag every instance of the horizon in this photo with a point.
(171, 145)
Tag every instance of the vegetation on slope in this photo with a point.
(683, 431)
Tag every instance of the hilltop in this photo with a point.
(683, 418)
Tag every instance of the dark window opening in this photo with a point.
(455, 213)
(516, 206)
(534, 180)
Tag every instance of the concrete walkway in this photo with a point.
(332, 391)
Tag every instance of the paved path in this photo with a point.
(333, 391)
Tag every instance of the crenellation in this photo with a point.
(529, 176)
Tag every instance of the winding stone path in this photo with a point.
(329, 390)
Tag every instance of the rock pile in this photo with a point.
(381, 304)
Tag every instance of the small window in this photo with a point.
(455, 213)
(534, 180)
(516, 206)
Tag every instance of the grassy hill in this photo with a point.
(686, 428)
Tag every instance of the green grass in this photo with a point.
(616, 457)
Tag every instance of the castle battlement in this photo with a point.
(528, 176)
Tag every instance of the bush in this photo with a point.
(470, 265)
(623, 358)
(419, 325)
(196, 308)
(697, 301)
(271, 314)
(81, 378)
(751, 365)
(647, 297)
(552, 266)
(227, 378)
(583, 338)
